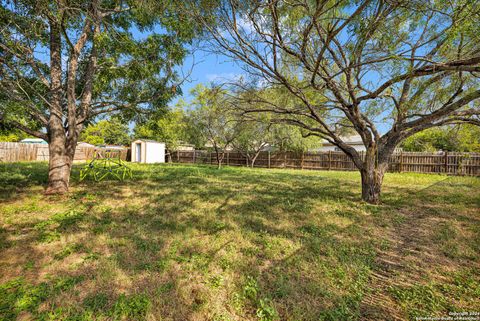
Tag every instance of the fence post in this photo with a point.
(329, 159)
(194, 155)
(400, 167)
(228, 157)
(301, 164)
(462, 170)
(268, 159)
(285, 161)
(446, 162)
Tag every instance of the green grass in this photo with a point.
(196, 243)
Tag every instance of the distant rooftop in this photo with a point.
(351, 140)
(33, 141)
(84, 144)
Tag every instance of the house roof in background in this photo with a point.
(33, 141)
(350, 140)
(84, 144)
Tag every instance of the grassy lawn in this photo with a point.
(196, 243)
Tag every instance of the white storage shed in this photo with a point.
(148, 151)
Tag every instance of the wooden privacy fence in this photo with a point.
(446, 163)
(18, 152)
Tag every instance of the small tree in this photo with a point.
(462, 138)
(251, 102)
(430, 140)
(252, 137)
(214, 119)
(291, 138)
(111, 132)
(170, 127)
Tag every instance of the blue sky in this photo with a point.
(217, 68)
(211, 67)
(208, 68)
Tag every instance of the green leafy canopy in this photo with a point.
(138, 47)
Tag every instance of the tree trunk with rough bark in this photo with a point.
(372, 185)
(61, 157)
(59, 168)
(372, 172)
(62, 152)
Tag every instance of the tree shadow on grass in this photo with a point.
(162, 243)
(15, 177)
(324, 279)
(156, 244)
(134, 249)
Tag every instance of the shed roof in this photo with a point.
(147, 140)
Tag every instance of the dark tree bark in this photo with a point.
(62, 140)
(59, 164)
(220, 149)
(372, 178)
(374, 166)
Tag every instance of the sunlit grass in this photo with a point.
(197, 243)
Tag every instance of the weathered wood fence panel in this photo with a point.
(13, 152)
(19, 152)
(446, 163)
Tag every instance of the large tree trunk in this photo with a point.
(62, 152)
(59, 161)
(372, 172)
(59, 168)
(372, 185)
